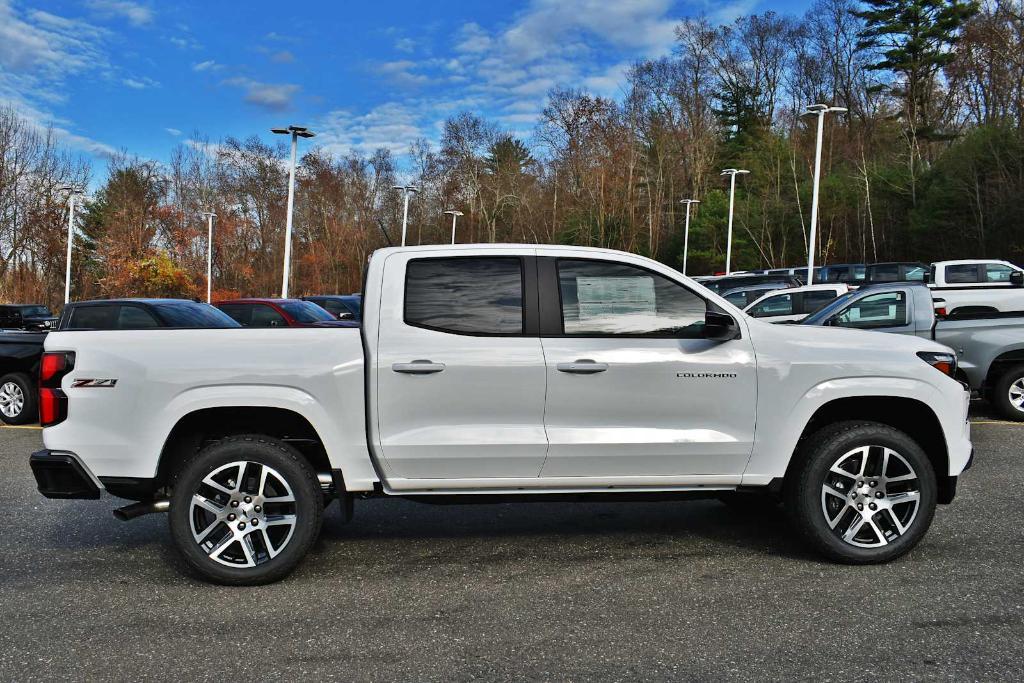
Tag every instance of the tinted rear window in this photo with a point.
(465, 295)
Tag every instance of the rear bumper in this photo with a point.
(62, 475)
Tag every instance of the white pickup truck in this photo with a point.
(979, 286)
(483, 371)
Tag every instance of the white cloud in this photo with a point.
(39, 52)
(405, 45)
(173, 131)
(208, 65)
(140, 83)
(402, 73)
(271, 96)
(137, 14)
(282, 57)
(393, 126)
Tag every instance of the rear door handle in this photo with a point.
(418, 367)
(583, 366)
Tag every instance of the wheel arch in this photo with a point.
(202, 426)
(1000, 364)
(911, 416)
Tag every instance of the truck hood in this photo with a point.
(842, 338)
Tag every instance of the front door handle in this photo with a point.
(418, 367)
(583, 366)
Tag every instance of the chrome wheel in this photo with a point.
(1016, 394)
(12, 399)
(870, 497)
(243, 514)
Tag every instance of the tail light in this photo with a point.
(53, 402)
(943, 362)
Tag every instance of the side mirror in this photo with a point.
(1017, 278)
(720, 326)
(926, 278)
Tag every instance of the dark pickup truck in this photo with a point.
(20, 350)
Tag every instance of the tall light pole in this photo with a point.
(819, 110)
(209, 216)
(686, 232)
(455, 216)
(296, 132)
(406, 190)
(72, 192)
(732, 172)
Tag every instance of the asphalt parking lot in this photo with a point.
(616, 591)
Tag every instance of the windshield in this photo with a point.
(306, 312)
(827, 312)
(190, 314)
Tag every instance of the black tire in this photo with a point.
(805, 497)
(999, 394)
(30, 399)
(287, 467)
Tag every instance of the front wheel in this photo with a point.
(245, 510)
(1007, 393)
(862, 493)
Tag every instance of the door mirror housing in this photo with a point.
(720, 326)
(1017, 278)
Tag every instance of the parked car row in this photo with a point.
(21, 347)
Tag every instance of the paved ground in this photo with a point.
(619, 591)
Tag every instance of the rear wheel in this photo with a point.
(18, 402)
(1007, 393)
(864, 492)
(245, 510)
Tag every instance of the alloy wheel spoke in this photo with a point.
(249, 550)
(834, 492)
(905, 497)
(278, 520)
(854, 528)
(896, 521)
(266, 541)
(207, 504)
(882, 540)
(221, 546)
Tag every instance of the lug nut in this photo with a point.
(258, 509)
(874, 483)
(879, 494)
(231, 517)
(234, 503)
(873, 506)
(255, 522)
(860, 483)
(860, 506)
(241, 525)
(249, 500)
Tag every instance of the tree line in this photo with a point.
(927, 164)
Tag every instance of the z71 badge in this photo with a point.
(80, 383)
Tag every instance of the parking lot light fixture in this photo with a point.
(296, 132)
(732, 173)
(209, 216)
(686, 230)
(72, 193)
(455, 216)
(406, 190)
(818, 110)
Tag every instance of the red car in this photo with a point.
(280, 313)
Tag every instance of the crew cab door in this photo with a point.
(459, 367)
(634, 387)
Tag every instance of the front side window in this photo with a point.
(188, 314)
(737, 299)
(887, 309)
(962, 274)
(996, 272)
(471, 295)
(603, 298)
(860, 272)
(265, 316)
(781, 304)
(916, 273)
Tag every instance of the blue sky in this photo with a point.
(142, 76)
